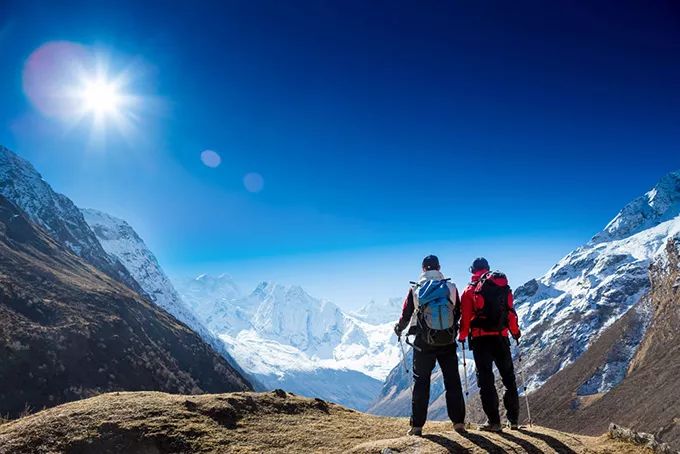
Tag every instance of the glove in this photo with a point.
(462, 342)
(517, 336)
(397, 330)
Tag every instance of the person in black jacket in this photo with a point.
(426, 356)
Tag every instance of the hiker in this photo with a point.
(431, 312)
(487, 315)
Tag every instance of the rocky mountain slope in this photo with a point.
(21, 184)
(247, 422)
(288, 339)
(562, 313)
(69, 331)
(646, 396)
(124, 245)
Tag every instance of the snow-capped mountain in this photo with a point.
(206, 293)
(21, 184)
(292, 317)
(379, 312)
(288, 339)
(564, 311)
(593, 286)
(121, 241)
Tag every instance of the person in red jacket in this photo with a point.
(487, 317)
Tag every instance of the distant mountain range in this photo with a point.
(288, 339)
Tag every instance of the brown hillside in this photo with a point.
(68, 331)
(151, 422)
(648, 398)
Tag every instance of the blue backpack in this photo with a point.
(436, 313)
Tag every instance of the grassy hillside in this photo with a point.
(153, 422)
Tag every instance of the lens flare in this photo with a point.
(210, 158)
(253, 182)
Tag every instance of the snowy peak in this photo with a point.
(109, 228)
(24, 186)
(222, 286)
(377, 313)
(659, 204)
(291, 315)
(218, 302)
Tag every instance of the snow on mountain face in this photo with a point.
(291, 316)
(377, 313)
(21, 184)
(660, 204)
(315, 329)
(121, 241)
(217, 301)
(593, 286)
(287, 338)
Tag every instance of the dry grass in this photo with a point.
(151, 422)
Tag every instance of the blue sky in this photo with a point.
(383, 131)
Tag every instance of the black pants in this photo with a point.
(423, 364)
(488, 350)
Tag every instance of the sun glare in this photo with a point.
(101, 97)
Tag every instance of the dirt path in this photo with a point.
(532, 440)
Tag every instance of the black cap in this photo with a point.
(431, 262)
(479, 264)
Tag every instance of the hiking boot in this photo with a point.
(415, 431)
(460, 428)
(491, 427)
(513, 425)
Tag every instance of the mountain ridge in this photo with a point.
(21, 184)
(69, 331)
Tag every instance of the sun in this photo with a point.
(105, 100)
(101, 97)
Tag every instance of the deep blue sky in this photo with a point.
(383, 130)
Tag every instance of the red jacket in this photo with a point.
(471, 301)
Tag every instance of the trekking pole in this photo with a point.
(403, 362)
(403, 355)
(524, 381)
(465, 377)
